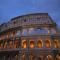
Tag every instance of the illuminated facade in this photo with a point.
(30, 37)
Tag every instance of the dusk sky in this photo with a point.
(13, 8)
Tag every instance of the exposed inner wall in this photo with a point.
(28, 32)
(30, 37)
(28, 21)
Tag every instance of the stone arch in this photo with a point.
(40, 57)
(24, 43)
(39, 44)
(23, 57)
(31, 57)
(56, 44)
(48, 43)
(5, 44)
(57, 57)
(10, 44)
(1, 44)
(16, 57)
(31, 44)
(16, 44)
(49, 57)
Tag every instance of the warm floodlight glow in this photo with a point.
(10, 44)
(39, 43)
(58, 57)
(5, 45)
(31, 44)
(56, 44)
(49, 57)
(48, 43)
(24, 44)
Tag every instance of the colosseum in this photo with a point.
(30, 37)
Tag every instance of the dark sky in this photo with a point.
(13, 8)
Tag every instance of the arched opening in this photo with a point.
(31, 30)
(40, 58)
(49, 57)
(39, 43)
(58, 57)
(55, 43)
(24, 32)
(13, 33)
(10, 44)
(18, 33)
(23, 57)
(48, 43)
(1, 45)
(16, 44)
(5, 45)
(7, 34)
(16, 57)
(31, 44)
(31, 57)
(24, 43)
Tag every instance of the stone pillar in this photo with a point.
(49, 31)
(13, 43)
(45, 58)
(43, 42)
(4, 57)
(51, 43)
(27, 55)
(41, 57)
(28, 31)
(21, 31)
(20, 56)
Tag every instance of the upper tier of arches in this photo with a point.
(29, 20)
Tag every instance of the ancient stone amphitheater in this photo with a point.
(30, 37)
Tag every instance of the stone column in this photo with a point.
(49, 31)
(13, 43)
(21, 31)
(20, 56)
(43, 42)
(28, 31)
(4, 57)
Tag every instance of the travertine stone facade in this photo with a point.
(30, 37)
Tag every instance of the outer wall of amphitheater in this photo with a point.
(30, 37)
